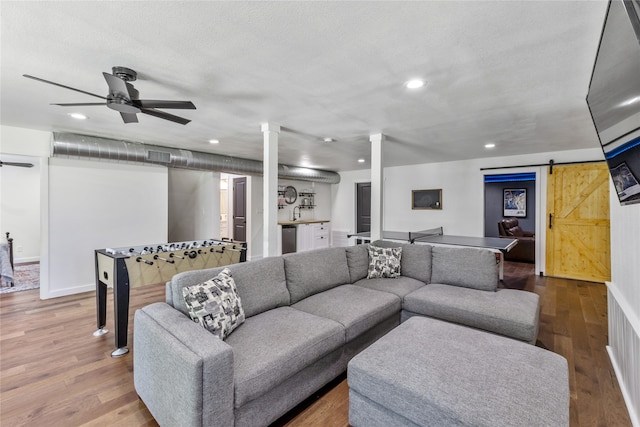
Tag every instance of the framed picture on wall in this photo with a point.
(515, 202)
(426, 199)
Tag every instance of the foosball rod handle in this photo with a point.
(170, 261)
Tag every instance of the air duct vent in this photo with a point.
(72, 145)
(158, 157)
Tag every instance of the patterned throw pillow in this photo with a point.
(384, 262)
(215, 304)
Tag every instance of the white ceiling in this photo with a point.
(513, 73)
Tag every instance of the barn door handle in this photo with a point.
(550, 220)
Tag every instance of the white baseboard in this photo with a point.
(69, 291)
(26, 259)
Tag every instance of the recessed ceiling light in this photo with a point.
(328, 140)
(490, 145)
(414, 84)
(78, 116)
(214, 141)
(360, 160)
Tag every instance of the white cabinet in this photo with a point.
(320, 235)
(312, 236)
(304, 238)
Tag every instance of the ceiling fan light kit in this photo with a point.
(124, 98)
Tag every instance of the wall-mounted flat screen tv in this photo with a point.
(614, 96)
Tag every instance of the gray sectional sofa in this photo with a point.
(307, 314)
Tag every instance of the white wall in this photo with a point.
(26, 142)
(625, 240)
(96, 205)
(20, 206)
(624, 301)
(255, 212)
(343, 200)
(322, 201)
(462, 184)
(194, 205)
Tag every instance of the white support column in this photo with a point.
(376, 185)
(270, 133)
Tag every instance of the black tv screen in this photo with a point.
(614, 97)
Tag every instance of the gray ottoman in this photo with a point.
(427, 372)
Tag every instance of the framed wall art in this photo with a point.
(426, 199)
(515, 202)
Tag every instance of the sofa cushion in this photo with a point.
(276, 344)
(315, 271)
(510, 312)
(416, 259)
(358, 309)
(215, 304)
(384, 262)
(357, 261)
(468, 267)
(401, 286)
(261, 284)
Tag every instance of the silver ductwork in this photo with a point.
(72, 145)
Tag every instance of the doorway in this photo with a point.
(495, 189)
(20, 207)
(20, 219)
(363, 208)
(224, 207)
(239, 216)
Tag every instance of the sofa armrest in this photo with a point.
(182, 372)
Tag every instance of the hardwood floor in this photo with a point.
(54, 372)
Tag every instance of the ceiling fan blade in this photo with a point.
(80, 104)
(66, 87)
(166, 116)
(129, 117)
(21, 165)
(182, 105)
(117, 86)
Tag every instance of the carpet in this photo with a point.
(25, 277)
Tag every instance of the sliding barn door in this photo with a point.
(578, 222)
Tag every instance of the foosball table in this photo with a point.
(127, 267)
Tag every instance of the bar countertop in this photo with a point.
(303, 221)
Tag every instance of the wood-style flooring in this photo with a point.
(54, 372)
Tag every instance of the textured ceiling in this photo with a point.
(512, 73)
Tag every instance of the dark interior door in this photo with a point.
(240, 209)
(363, 207)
